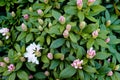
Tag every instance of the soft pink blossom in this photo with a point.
(39, 11)
(26, 16)
(5, 32)
(24, 27)
(95, 33)
(91, 53)
(110, 73)
(79, 4)
(66, 34)
(11, 67)
(68, 27)
(30, 76)
(77, 64)
(2, 64)
(50, 56)
(62, 19)
(107, 40)
(90, 2)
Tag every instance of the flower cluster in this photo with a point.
(33, 51)
(77, 64)
(5, 32)
(11, 67)
(66, 31)
(91, 53)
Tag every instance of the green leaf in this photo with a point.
(115, 27)
(89, 69)
(2, 2)
(72, 10)
(73, 38)
(17, 47)
(54, 64)
(80, 52)
(117, 75)
(67, 72)
(21, 36)
(12, 76)
(90, 43)
(22, 75)
(102, 43)
(81, 16)
(18, 66)
(91, 18)
(31, 66)
(30, 1)
(40, 75)
(6, 73)
(56, 14)
(107, 15)
(47, 9)
(29, 37)
(2, 69)
(102, 55)
(57, 43)
(81, 74)
(44, 59)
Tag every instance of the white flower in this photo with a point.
(30, 54)
(4, 32)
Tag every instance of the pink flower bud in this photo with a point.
(11, 67)
(66, 34)
(79, 4)
(62, 19)
(90, 2)
(77, 64)
(6, 59)
(91, 53)
(68, 27)
(13, 14)
(108, 23)
(109, 59)
(95, 33)
(40, 12)
(82, 25)
(26, 16)
(22, 59)
(50, 56)
(2, 64)
(24, 27)
(107, 40)
(110, 73)
(30, 76)
(47, 73)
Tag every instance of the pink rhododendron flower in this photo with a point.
(62, 19)
(26, 16)
(95, 33)
(68, 27)
(2, 64)
(110, 73)
(11, 67)
(24, 27)
(91, 53)
(39, 11)
(50, 56)
(79, 4)
(77, 64)
(66, 34)
(107, 40)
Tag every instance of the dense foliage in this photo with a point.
(59, 39)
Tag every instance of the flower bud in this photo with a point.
(50, 24)
(116, 67)
(30, 76)
(59, 56)
(110, 73)
(108, 23)
(40, 21)
(22, 59)
(90, 2)
(82, 25)
(40, 28)
(66, 34)
(95, 33)
(46, 73)
(30, 9)
(38, 54)
(107, 40)
(13, 14)
(24, 27)
(62, 19)
(57, 5)
(91, 53)
(6, 59)
(2, 64)
(68, 27)
(79, 4)
(46, 1)
(40, 12)
(26, 16)
(50, 56)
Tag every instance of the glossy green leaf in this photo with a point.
(21, 36)
(40, 75)
(56, 14)
(90, 43)
(73, 38)
(81, 16)
(29, 37)
(22, 75)
(81, 74)
(31, 66)
(89, 69)
(54, 64)
(12, 76)
(18, 66)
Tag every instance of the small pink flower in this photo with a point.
(30, 76)
(90, 2)
(46, 73)
(110, 73)
(11, 67)
(50, 56)
(6, 59)
(62, 19)
(68, 27)
(2, 64)
(66, 34)
(91, 53)
(95, 33)
(107, 40)
(26, 16)
(5, 32)
(39, 11)
(77, 64)
(79, 4)
(24, 27)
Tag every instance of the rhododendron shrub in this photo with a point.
(59, 40)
